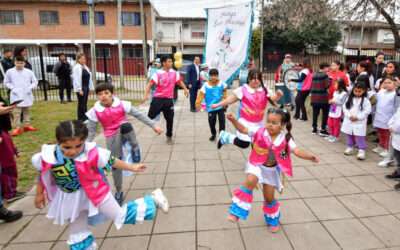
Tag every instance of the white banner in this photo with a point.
(228, 39)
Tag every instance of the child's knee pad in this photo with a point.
(126, 128)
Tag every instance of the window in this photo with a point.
(48, 17)
(11, 17)
(99, 18)
(103, 52)
(130, 18)
(132, 53)
(197, 31)
(168, 30)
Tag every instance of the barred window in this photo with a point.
(11, 17)
(48, 17)
(130, 18)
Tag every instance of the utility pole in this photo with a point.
(144, 45)
(120, 55)
(362, 28)
(92, 39)
(262, 36)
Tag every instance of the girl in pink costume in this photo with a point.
(253, 99)
(269, 158)
(72, 179)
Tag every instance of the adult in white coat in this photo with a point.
(356, 110)
(83, 84)
(21, 81)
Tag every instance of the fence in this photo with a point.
(43, 59)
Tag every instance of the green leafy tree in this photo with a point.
(255, 43)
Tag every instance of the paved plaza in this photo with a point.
(340, 203)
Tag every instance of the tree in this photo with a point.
(300, 25)
(386, 9)
(255, 43)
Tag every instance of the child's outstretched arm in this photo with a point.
(118, 164)
(92, 126)
(146, 120)
(305, 155)
(229, 100)
(242, 129)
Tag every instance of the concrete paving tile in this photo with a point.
(181, 166)
(340, 186)
(177, 241)
(254, 238)
(301, 173)
(188, 156)
(369, 183)
(179, 180)
(220, 240)
(208, 166)
(351, 234)
(157, 157)
(213, 218)
(361, 205)
(309, 236)
(328, 208)
(184, 196)
(31, 246)
(235, 177)
(390, 200)
(148, 181)
(210, 178)
(349, 169)
(126, 243)
(385, 228)
(295, 211)
(310, 188)
(178, 219)
(9, 230)
(212, 195)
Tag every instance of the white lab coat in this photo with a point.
(77, 77)
(385, 108)
(21, 83)
(394, 125)
(359, 127)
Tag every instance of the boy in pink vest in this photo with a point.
(268, 160)
(111, 113)
(72, 180)
(165, 81)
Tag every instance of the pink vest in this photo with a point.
(111, 119)
(259, 152)
(253, 105)
(166, 84)
(90, 178)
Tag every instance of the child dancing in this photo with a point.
(111, 113)
(253, 98)
(213, 91)
(72, 180)
(335, 109)
(268, 160)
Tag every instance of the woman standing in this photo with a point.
(335, 73)
(22, 51)
(391, 70)
(83, 84)
(303, 90)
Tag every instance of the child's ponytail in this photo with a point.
(68, 130)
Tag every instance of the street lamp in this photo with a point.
(92, 39)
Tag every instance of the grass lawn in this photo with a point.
(45, 117)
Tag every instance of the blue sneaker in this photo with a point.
(136, 155)
(119, 197)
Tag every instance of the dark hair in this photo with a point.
(380, 53)
(61, 54)
(307, 63)
(366, 65)
(341, 85)
(18, 50)
(256, 74)
(7, 51)
(19, 59)
(213, 72)
(323, 65)
(165, 58)
(349, 102)
(341, 65)
(285, 115)
(396, 69)
(103, 87)
(68, 130)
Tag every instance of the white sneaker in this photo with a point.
(377, 150)
(384, 154)
(332, 139)
(160, 200)
(385, 163)
(327, 138)
(349, 151)
(361, 155)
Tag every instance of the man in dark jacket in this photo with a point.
(320, 98)
(7, 61)
(193, 81)
(63, 71)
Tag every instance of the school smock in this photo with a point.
(336, 108)
(359, 127)
(385, 108)
(394, 125)
(65, 207)
(77, 77)
(251, 125)
(21, 83)
(213, 94)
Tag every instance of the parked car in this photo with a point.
(50, 79)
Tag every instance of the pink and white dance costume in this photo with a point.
(267, 161)
(253, 103)
(117, 130)
(79, 194)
